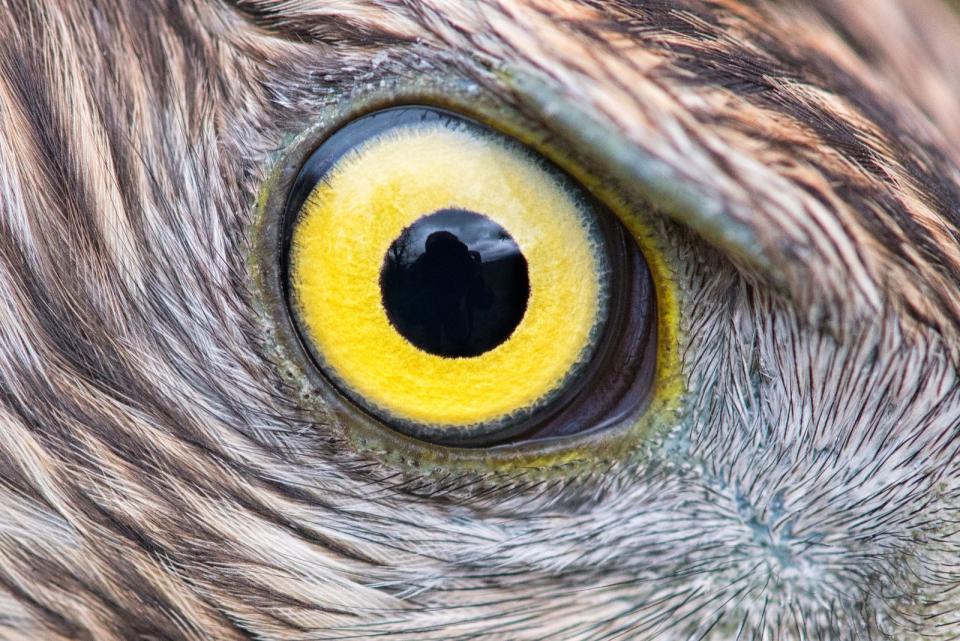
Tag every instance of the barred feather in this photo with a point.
(160, 480)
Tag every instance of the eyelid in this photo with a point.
(796, 235)
(638, 173)
(561, 457)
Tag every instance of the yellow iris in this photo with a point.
(367, 199)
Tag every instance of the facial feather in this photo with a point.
(159, 479)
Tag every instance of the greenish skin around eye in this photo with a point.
(557, 456)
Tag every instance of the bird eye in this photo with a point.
(462, 289)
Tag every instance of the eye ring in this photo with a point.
(621, 432)
(350, 351)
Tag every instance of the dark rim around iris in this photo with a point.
(614, 379)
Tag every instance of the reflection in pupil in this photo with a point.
(455, 284)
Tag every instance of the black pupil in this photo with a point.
(455, 284)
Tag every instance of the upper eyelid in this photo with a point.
(786, 236)
(640, 175)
